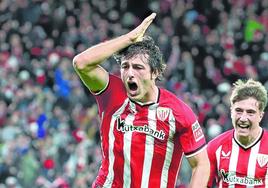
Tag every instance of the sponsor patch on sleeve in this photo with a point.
(197, 131)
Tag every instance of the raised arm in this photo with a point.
(200, 169)
(87, 63)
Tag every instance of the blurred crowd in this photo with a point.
(48, 120)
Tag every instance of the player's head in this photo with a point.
(141, 65)
(149, 51)
(244, 89)
(248, 101)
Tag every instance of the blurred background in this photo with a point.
(49, 134)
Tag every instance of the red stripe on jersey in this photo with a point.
(104, 132)
(242, 163)
(175, 163)
(118, 166)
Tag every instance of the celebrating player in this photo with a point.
(239, 157)
(144, 129)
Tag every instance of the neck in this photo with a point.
(248, 140)
(151, 96)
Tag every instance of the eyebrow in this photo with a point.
(247, 110)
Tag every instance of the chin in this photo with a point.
(134, 98)
(243, 133)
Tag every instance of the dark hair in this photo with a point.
(145, 47)
(243, 89)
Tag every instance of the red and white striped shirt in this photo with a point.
(143, 144)
(235, 166)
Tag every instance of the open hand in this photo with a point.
(137, 34)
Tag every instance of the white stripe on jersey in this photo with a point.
(149, 148)
(110, 176)
(218, 158)
(127, 152)
(233, 158)
(169, 151)
(127, 147)
(252, 161)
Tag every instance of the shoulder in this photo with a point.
(221, 139)
(114, 83)
(179, 108)
(113, 95)
(182, 112)
(170, 99)
(265, 134)
(265, 131)
(114, 78)
(167, 95)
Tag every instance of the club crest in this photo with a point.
(262, 159)
(162, 113)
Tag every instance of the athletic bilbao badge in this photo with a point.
(197, 131)
(262, 159)
(162, 113)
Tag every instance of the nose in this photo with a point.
(130, 72)
(244, 117)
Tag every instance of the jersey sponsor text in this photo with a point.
(123, 127)
(231, 178)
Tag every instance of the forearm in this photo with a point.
(98, 53)
(200, 176)
(87, 62)
(200, 169)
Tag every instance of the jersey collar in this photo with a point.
(149, 102)
(252, 144)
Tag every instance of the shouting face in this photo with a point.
(138, 79)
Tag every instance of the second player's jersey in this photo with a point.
(143, 144)
(235, 166)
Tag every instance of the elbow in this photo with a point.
(78, 62)
(75, 62)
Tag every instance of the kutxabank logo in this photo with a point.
(123, 127)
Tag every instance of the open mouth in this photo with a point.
(132, 86)
(243, 126)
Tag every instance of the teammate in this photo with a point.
(144, 129)
(239, 157)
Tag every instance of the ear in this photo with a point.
(154, 75)
(261, 114)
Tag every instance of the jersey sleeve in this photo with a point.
(112, 95)
(192, 138)
(213, 165)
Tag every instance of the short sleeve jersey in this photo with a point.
(235, 166)
(143, 145)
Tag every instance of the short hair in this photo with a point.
(243, 89)
(146, 47)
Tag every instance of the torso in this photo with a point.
(238, 166)
(143, 144)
